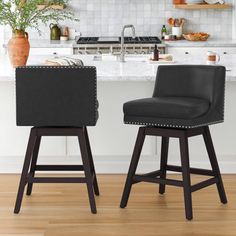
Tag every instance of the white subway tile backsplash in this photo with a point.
(106, 18)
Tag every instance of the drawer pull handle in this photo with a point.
(186, 52)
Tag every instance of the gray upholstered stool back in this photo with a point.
(56, 96)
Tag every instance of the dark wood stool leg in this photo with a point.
(90, 158)
(23, 180)
(133, 166)
(214, 164)
(87, 170)
(164, 157)
(33, 164)
(186, 176)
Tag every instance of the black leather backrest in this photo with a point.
(200, 81)
(56, 96)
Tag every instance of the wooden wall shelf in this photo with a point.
(56, 7)
(202, 6)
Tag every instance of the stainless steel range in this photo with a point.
(104, 45)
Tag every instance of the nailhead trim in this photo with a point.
(54, 67)
(224, 103)
(95, 93)
(172, 126)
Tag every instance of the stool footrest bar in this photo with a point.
(197, 171)
(150, 174)
(59, 168)
(141, 178)
(56, 180)
(204, 184)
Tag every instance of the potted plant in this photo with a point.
(23, 14)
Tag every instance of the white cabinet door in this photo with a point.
(197, 51)
(185, 51)
(51, 51)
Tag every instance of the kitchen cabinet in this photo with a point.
(51, 51)
(196, 51)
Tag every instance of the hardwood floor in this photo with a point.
(63, 209)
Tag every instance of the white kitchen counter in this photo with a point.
(46, 43)
(112, 141)
(139, 69)
(208, 43)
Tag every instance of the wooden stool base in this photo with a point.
(30, 164)
(159, 176)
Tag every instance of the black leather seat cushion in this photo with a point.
(185, 96)
(171, 107)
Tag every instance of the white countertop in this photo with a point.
(46, 43)
(208, 43)
(139, 69)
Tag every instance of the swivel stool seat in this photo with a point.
(186, 100)
(57, 101)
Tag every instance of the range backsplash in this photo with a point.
(106, 18)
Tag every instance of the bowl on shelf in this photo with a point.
(196, 36)
(214, 1)
(193, 2)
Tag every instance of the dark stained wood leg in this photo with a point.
(33, 164)
(186, 176)
(214, 164)
(133, 166)
(23, 180)
(90, 158)
(164, 157)
(87, 170)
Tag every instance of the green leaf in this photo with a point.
(24, 14)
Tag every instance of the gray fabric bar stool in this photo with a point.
(57, 101)
(186, 100)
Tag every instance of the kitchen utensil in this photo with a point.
(171, 22)
(182, 22)
(55, 32)
(177, 31)
(177, 23)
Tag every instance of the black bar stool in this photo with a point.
(186, 99)
(57, 101)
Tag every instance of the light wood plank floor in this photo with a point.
(63, 209)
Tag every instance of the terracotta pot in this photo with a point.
(18, 48)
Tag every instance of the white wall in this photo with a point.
(234, 20)
(1, 37)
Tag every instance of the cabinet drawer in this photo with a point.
(51, 51)
(184, 51)
(196, 51)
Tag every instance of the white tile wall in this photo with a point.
(106, 18)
